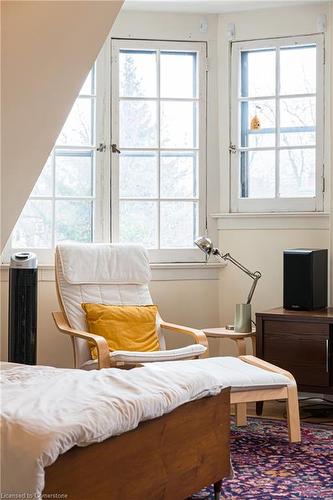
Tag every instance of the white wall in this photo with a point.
(260, 250)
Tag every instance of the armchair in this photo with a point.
(111, 275)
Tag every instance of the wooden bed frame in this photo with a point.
(168, 458)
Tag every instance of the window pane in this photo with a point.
(137, 124)
(258, 174)
(74, 174)
(138, 223)
(298, 70)
(43, 186)
(179, 175)
(78, 127)
(73, 220)
(298, 120)
(297, 173)
(88, 86)
(179, 224)
(137, 73)
(258, 73)
(34, 227)
(264, 111)
(138, 175)
(178, 74)
(179, 124)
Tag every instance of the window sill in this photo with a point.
(269, 220)
(182, 271)
(179, 271)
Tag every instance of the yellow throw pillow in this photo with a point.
(126, 328)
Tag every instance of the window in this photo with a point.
(158, 120)
(277, 125)
(62, 203)
(153, 191)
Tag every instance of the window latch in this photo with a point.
(233, 148)
(101, 147)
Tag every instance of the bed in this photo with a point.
(168, 458)
(155, 432)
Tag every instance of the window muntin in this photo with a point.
(277, 165)
(159, 125)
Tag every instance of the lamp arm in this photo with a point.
(253, 287)
(255, 276)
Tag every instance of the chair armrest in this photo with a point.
(198, 335)
(260, 363)
(99, 341)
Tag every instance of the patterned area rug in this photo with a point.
(267, 467)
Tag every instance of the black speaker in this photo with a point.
(305, 279)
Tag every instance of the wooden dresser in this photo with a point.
(300, 342)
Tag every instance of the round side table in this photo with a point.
(239, 338)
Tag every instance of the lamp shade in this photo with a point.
(204, 244)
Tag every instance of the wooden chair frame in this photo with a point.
(103, 357)
(103, 352)
(168, 458)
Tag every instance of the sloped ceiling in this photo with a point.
(47, 50)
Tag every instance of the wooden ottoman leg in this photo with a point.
(293, 415)
(241, 414)
(217, 489)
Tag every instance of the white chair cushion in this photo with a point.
(228, 371)
(129, 357)
(100, 263)
(187, 352)
(73, 295)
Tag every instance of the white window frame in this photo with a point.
(106, 163)
(238, 204)
(176, 254)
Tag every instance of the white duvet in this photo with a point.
(46, 411)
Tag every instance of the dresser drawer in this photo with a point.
(306, 357)
(297, 328)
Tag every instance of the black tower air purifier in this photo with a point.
(305, 279)
(22, 316)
